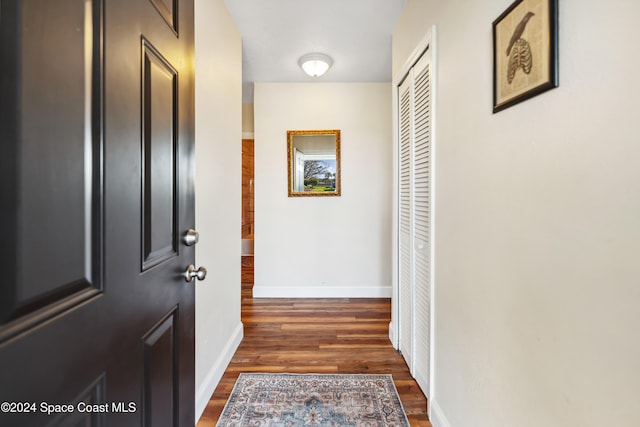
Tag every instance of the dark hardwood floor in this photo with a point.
(316, 336)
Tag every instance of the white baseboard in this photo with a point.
(208, 386)
(321, 292)
(437, 417)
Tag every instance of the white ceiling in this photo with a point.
(276, 33)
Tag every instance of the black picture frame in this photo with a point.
(525, 52)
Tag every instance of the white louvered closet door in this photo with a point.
(405, 280)
(414, 271)
(422, 219)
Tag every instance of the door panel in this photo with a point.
(168, 9)
(50, 152)
(161, 375)
(96, 184)
(422, 176)
(159, 188)
(405, 294)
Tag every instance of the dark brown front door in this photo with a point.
(96, 187)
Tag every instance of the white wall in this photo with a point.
(247, 120)
(218, 192)
(324, 246)
(538, 223)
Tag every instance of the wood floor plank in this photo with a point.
(325, 335)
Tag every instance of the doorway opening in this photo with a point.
(248, 216)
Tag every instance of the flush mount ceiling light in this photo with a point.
(315, 64)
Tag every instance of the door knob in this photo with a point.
(192, 273)
(191, 237)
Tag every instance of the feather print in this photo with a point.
(517, 33)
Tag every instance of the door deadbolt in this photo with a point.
(191, 237)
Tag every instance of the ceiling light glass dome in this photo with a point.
(315, 64)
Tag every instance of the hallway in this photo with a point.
(317, 336)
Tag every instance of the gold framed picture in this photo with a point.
(525, 52)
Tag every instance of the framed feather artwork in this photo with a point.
(525, 52)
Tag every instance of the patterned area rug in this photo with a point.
(292, 400)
